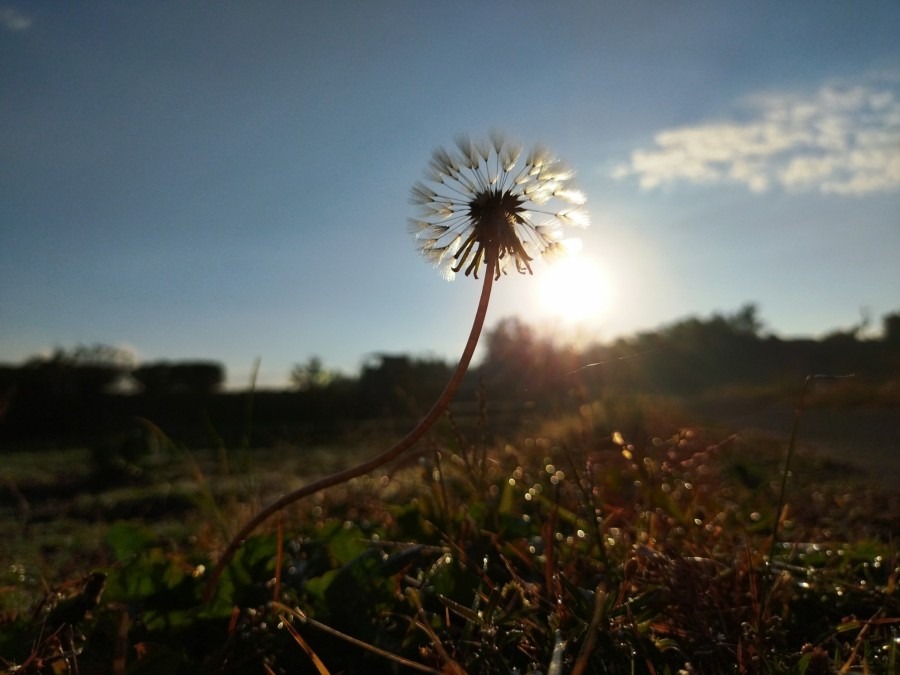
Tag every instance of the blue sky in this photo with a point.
(230, 181)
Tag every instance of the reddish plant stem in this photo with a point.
(365, 467)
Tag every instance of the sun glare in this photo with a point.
(574, 290)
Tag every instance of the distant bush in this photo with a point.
(164, 378)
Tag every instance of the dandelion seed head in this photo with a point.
(483, 206)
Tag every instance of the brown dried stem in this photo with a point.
(365, 467)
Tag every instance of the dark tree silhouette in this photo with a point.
(311, 375)
(163, 378)
(891, 328)
(399, 385)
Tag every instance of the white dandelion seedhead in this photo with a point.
(482, 205)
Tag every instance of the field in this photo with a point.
(615, 539)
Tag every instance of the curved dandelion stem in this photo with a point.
(388, 455)
(470, 216)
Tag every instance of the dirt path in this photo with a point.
(865, 438)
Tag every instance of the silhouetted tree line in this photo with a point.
(77, 396)
(61, 393)
(696, 356)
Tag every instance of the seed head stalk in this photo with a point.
(379, 460)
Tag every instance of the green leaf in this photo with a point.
(318, 586)
(127, 540)
(347, 544)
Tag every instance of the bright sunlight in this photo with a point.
(574, 289)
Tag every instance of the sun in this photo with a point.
(575, 290)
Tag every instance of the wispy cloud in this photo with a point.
(844, 139)
(13, 20)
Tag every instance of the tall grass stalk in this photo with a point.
(792, 445)
(786, 472)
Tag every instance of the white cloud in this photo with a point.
(844, 139)
(13, 20)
